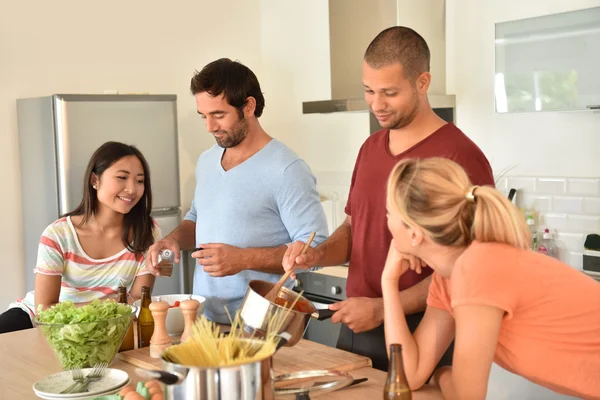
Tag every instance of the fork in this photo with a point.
(97, 373)
(77, 376)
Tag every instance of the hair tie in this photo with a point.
(470, 195)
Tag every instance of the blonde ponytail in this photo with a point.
(436, 195)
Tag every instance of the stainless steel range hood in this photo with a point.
(352, 26)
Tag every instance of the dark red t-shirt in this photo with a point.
(366, 201)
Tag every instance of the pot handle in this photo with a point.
(321, 315)
(168, 378)
(284, 337)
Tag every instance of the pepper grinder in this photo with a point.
(160, 339)
(189, 308)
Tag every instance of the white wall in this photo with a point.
(134, 46)
(540, 144)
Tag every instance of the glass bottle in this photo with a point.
(128, 341)
(396, 385)
(145, 319)
(548, 246)
(533, 229)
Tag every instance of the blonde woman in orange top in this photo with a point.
(500, 301)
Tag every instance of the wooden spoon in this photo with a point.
(272, 295)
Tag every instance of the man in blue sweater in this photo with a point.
(253, 194)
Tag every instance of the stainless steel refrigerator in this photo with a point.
(58, 134)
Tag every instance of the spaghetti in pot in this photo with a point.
(208, 347)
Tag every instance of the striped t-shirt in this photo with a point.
(83, 277)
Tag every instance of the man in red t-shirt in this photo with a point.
(396, 79)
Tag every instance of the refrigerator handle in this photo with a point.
(165, 211)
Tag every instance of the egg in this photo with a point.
(154, 390)
(153, 383)
(126, 390)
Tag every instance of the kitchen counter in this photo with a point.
(26, 358)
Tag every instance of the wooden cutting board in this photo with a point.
(305, 355)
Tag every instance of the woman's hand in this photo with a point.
(395, 265)
(398, 263)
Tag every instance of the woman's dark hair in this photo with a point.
(138, 227)
(232, 79)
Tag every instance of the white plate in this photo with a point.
(86, 395)
(83, 396)
(52, 385)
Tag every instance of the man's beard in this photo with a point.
(406, 118)
(235, 136)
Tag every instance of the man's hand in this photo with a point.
(218, 259)
(292, 256)
(358, 313)
(156, 249)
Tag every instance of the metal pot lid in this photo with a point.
(315, 381)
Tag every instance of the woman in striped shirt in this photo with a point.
(88, 253)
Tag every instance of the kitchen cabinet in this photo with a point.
(548, 63)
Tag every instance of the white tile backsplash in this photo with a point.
(539, 203)
(555, 222)
(586, 186)
(571, 241)
(568, 206)
(583, 223)
(524, 184)
(591, 205)
(551, 186)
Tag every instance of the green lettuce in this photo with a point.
(84, 336)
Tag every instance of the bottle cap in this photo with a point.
(547, 234)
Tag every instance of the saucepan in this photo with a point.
(256, 312)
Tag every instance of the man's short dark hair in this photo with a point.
(401, 45)
(232, 79)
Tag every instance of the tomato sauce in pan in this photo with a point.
(301, 305)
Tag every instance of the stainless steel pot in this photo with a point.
(251, 381)
(256, 312)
